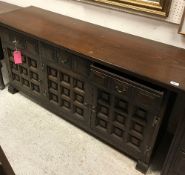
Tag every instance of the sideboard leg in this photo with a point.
(12, 89)
(142, 166)
(2, 85)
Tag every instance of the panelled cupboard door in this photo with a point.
(125, 114)
(67, 91)
(27, 75)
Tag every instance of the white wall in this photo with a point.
(133, 24)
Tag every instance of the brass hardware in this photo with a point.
(63, 61)
(119, 90)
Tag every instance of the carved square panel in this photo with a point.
(53, 72)
(119, 118)
(140, 113)
(65, 91)
(25, 82)
(65, 78)
(104, 96)
(23, 71)
(53, 85)
(78, 111)
(78, 84)
(103, 109)
(34, 76)
(35, 88)
(134, 141)
(101, 123)
(121, 105)
(117, 131)
(137, 127)
(66, 104)
(79, 98)
(16, 77)
(53, 97)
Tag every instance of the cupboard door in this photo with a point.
(125, 114)
(27, 75)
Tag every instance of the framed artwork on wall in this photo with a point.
(154, 7)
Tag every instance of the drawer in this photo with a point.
(121, 87)
(16, 40)
(31, 46)
(99, 77)
(64, 58)
(147, 97)
(81, 66)
(48, 52)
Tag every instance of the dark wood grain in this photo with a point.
(141, 57)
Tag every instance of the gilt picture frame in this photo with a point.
(154, 7)
(182, 24)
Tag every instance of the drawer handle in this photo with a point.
(64, 61)
(99, 74)
(120, 90)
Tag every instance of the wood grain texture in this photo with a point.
(6, 7)
(156, 62)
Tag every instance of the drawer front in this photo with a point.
(48, 53)
(64, 59)
(99, 78)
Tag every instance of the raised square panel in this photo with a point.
(117, 131)
(53, 72)
(35, 87)
(65, 78)
(53, 85)
(65, 91)
(34, 76)
(103, 109)
(66, 104)
(23, 71)
(78, 84)
(104, 96)
(119, 118)
(137, 127)
(140, 113)
(25, 82)
(53, 97)
(31, 46)
(134, 141)
(101, 123)
(79, 98)
(121, 105)
(79, 111)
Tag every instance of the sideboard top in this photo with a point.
(154, 61)
(6, 7)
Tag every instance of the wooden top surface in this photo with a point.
(6, 7)
(151, 60)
